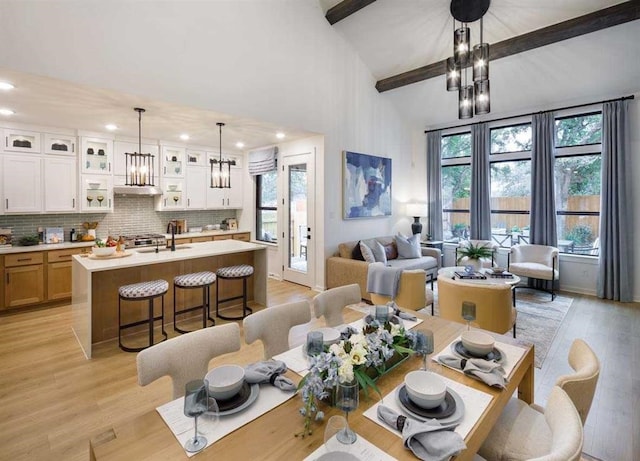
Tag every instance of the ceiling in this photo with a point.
(49, 102)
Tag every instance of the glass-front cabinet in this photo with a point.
(196, 157)
(96, 155)
(22, 141)
(173, 195)
(173, 161)
(59, 144)
(96, 194)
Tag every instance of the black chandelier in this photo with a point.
(139, 167)
(221, 169)
(471, 97)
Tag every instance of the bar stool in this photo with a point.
(242, 271)
(202, 280)
(141, 292)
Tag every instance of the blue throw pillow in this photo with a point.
(408, 248)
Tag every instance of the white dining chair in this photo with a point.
(186, 357)
(330, 303)
(524, 433)
(272, 326)
(535, 262)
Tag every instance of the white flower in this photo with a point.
(396, 330)
(337, 349)
(358, 339)
(358, 354)
(345, 372)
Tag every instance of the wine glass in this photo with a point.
(468, 312)
(347, 395)
(100, 198)
(89, 199)
(196, 403)
(335, 425)
(424, 346)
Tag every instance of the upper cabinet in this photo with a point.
(60, 185)
(57, 144)
(22, 141)
(173, 161)
(96, 193)
(173, 195)
(22, 184)
(229, 197)
(96, 155)
(196, 157)
(119, 160)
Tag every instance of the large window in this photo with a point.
(456, 186)
(267, 207)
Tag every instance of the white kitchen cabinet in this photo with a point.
(22, 183)
(197, 186)
(96, 193)
(173, 161)
(60, 184)
(22, 141)
(197, 158)
(234, 194)
(119, 160)
(173, 195)
(59, 144)
(96, 155)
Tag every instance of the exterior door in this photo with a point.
(299, 190)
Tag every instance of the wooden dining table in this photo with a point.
(272, 435)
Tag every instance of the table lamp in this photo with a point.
(417, 210)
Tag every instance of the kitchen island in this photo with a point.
(96, 282)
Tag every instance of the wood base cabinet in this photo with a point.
(23, 285)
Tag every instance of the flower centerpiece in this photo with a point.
(359, 356)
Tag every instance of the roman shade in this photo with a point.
(263, 160)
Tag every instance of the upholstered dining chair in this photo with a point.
(525, 433)
(535, 262)
(581, 385)
(272, 325)
(484, 262)
(330, 303)
(413, 292)
(186, 357)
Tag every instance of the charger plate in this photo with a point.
(243, 399)
(457, 415)
(495, 355)
(444, 410)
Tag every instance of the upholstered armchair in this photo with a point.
(413, 292)
(494, 306)
(484, 262)
(535, 262)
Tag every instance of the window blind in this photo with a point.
(262, 161)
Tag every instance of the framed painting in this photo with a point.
(366, 186)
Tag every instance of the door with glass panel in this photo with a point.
(299, 189)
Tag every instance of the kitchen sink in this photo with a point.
(163, 249)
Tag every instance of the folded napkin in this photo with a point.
(428, 440)
(269, 371)
(402, 315)
(490, 373)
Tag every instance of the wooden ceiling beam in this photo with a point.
(345, 8)
(592, 22)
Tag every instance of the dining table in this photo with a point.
(272, 436)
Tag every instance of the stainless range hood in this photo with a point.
(137, 190)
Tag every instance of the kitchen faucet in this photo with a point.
(172, 226)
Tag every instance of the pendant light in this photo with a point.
(140, 167)
(221, 169)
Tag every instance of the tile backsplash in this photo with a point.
(131, 215)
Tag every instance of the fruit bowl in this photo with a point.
(103, 251)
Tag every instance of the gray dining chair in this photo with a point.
(330, 303)
(186, 357)
(272, 325)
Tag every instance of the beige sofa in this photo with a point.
(342, 270)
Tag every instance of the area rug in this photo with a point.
(538, 321)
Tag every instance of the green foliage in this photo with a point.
(458, 145)
(458, 229)
(576, 131)
(473, 252)
(580, 235)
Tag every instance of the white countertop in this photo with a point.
(206, 233)
(45, 247)
(187, 251)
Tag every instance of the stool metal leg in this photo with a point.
(151, 322)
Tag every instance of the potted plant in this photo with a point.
(473, 254)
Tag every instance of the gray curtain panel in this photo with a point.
(615, 268)
(543, 199)
(480, 182)
(434, 186)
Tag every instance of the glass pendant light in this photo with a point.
(482, 97)
(465, 102)
(461, 47)
(453, 75)
(481, 58)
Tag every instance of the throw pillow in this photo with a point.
(367, 253)
(408, 248)
(391, 251)
(356, 253)
(378, 250)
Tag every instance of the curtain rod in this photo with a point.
(531, 113)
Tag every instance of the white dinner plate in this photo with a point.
(454, 418)
(329, 335)
(338, 456)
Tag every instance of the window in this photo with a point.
(267, 207)
(577, 183)
(456, 186)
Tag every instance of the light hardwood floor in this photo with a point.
(53, 400)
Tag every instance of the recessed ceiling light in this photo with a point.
(239, 145)
(111, 127)
(280, 135)
(6, 86)
(6, 112)
(184, 137)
